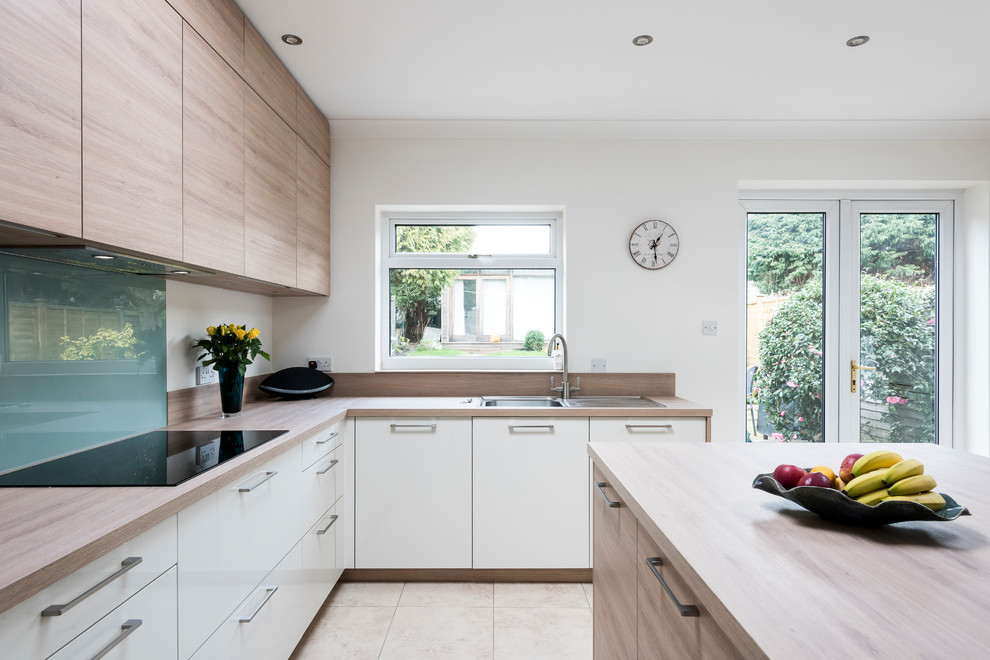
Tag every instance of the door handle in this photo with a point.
(854, 377)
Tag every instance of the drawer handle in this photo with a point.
(328, 438)
(248, 489)
(328, 468)
(126, 629)
(633, 427)
(612, 505)
(333, 519)
(531, 427)
(59, 610)
(269, 592)
(685, 610)
(428, 427)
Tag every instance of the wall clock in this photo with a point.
(653, 244)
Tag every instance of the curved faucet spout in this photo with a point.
(565, 387)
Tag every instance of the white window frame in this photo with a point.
(388, 217)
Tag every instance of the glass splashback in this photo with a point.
(82, 360)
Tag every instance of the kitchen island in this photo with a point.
(771, 579)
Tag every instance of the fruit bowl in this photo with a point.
(835, 505)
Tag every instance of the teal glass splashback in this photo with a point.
(82, 360)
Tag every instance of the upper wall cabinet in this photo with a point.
(212, 158)
(220, 23)
(268, 76)
(40, 139)
(312, 126)
(312, 221)
(132, 125)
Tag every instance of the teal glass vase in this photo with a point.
(231, 387)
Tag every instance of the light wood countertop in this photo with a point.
(47, 533)
(796, 585)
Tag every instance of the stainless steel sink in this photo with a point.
(521, 402)
(572, 402)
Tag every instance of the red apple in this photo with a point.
(845, 468)
(788, 475)
(815, 479)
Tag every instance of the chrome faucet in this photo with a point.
(564, 388)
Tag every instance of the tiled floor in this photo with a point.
(457, 620)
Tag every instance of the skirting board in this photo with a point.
(466, 575)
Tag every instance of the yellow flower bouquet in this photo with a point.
(231, 343)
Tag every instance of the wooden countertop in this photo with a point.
(47, 533)
(799, 585)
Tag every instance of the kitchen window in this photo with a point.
(469, 289)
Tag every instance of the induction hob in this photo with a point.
(155, 458)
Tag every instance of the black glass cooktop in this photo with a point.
(156, 458)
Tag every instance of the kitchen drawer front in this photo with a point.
(322, 484)
(319, 444)
(323, 559)
(648, 429)
(268, 623)
(144, 626)
(25, 633)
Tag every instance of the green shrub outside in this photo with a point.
(534, 341)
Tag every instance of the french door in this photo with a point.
(849, 320)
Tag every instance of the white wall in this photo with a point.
(639, 321)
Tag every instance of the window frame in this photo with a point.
(391, 216)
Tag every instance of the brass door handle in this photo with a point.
(853, 376)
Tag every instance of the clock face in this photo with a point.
(653, 244)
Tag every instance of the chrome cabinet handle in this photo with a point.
(612, 505)
(429, 427)
(333, 519)
(126, 629)
(630, 427)
(531, 427)
(248, 489)
(270, 591)
(328, 468)
(685, 610)
(59, 610)
(328, 438)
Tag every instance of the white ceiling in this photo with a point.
(756, 63)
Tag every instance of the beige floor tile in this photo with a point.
(589, 591)
(544, 633)
(457, 633)
(447, 594)
(540, 594)
(345, 633)
(365, 594)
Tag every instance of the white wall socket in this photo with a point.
(598, 366)
(709, 327)
(206, 375)
(322, 363)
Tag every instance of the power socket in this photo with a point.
(599, 365)
(322, 363)
(206, 375)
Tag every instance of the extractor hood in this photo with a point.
(100, 259)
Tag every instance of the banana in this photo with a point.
(906, 468)
(839, 483)
(865, 483)
(931, 499)
(911, 485)
(873, 497)
(874, 461)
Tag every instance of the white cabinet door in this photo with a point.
(412, 502)
(323, 560)
(320, 488)
(648, 429)
(531, 501)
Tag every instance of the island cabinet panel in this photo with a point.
(312, 221)
(40, 134)
(312, 126)
(270, 194)
(220, 23)
(268, 76)
(132, 125)
(212, 158)
(615, 578)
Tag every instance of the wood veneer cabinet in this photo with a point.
(614, 574)
(312, 126)
(40, 130)
(212, 158)
(312, 221)
(268, 76)
(132, 125)
(220, 23)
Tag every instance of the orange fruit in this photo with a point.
(827, 471)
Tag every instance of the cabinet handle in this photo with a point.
(685, 610)
(396, 427)
(269, 592)
(328, 468)
(612, 505)
(59, 610)
(333, 519)
(328, 438)
(126, 629)
(248, 489)
(633, 427)
(531, 427)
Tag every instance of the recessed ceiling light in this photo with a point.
(105, 257)
(643, 40)
(291, 39)
(857, 41)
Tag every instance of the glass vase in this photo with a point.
(231, 387)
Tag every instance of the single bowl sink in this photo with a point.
(521, 402)
(610, 402)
